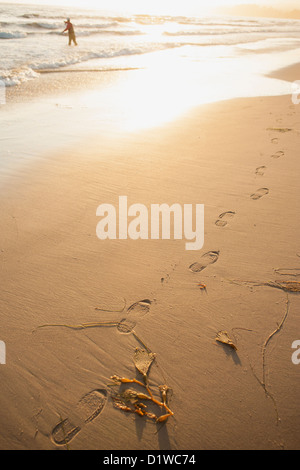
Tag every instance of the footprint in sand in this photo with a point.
(87, 409)
(260, 170)
(275, 140)
(134, 313)
(164, 279)
(223, 218)
(278, 154)
(259, 193)
(207, 259)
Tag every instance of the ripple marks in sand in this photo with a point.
(207, 259)
(134, 313)
(259, 193)
(88, 408)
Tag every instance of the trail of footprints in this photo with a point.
(260, 171)
(212, 257)
(91, 405)
(225, 217)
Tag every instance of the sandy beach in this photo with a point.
(240, 159)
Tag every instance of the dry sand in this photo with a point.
(54, 270)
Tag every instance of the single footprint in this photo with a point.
(259, 193)
(278, 154)
(223, 218)
(87, 409)
(275, 140)
(206, 259)
(260, 170)
(165, 279)
(134, 313)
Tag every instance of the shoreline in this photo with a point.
(62, 81)
(56, 82)
(56, 271)
(289, 74)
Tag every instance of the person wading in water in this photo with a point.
(70, 29)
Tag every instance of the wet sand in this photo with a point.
(238, 158)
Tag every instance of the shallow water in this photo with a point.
(180, 63)
(31, 41)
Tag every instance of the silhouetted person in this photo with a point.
(70, 29)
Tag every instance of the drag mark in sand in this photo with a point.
(208, 258)
(286, 286)
(279, 327)
(223, 338)
(264, 351)
(280, 129)
(223, 218)
(295, 272)
(125, 325)
(259, 193)
(88, 408)
(113, 311)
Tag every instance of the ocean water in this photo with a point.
(30, 40)
(161, 67)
